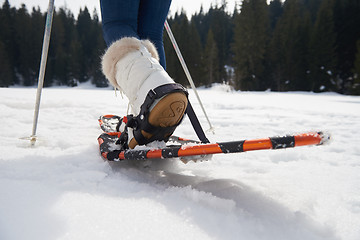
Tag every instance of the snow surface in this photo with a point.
(62, 189)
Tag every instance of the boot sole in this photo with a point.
(166, 113)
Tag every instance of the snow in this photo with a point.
(62, 189)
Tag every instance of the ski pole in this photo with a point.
(186, 70)
(44, 54)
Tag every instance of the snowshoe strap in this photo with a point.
(123, 140)
(196, 124)
(119, 123)
(141, 122)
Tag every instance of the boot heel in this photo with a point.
(168, 112)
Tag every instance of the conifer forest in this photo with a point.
(291, 45)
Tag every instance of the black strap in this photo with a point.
(196, 124)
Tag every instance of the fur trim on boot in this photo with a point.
(119, 50)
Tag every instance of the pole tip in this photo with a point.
(33, 140)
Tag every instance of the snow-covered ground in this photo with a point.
(62, 189)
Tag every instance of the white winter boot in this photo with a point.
(157, 102)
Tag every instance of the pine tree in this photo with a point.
(70, 37)
(74, 51)
(58, 59)
(194, 54)
(6, 72)
(23, 42)
(313, 7)
(322, 49)
(75, 60)
(210, 60)
(220, 23)
(289, 48)
(275, 12)
(7, 45)
(98, 49)
(251, 35)
(37, 24)
(91, 46)
(347, 19)
(84, 30)
(356, 70)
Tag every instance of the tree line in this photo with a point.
(74, 53)
(292, 45)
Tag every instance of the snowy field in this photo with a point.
(62, 189)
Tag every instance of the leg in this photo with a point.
(152, 16)
(132, 65)
(119, 19)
